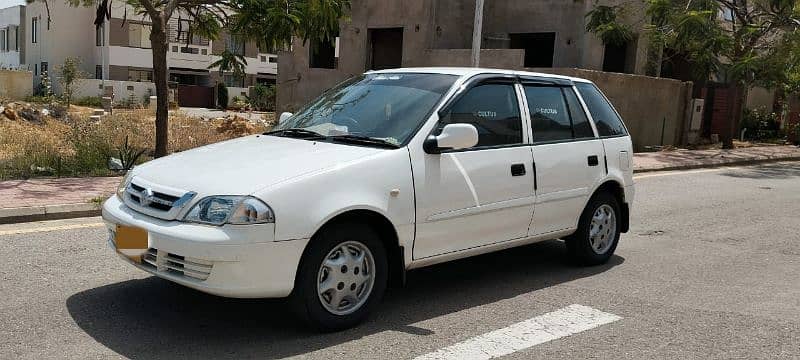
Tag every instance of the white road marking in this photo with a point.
(522, 335)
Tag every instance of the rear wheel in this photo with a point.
(598, 231)
(342, 277)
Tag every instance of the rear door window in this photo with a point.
(549, 115)
(556, 114)
(605, 118)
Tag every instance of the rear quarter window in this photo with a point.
(605, 118)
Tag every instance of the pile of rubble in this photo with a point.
(21, 111)
(235, 125)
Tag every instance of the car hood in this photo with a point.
(244, 165)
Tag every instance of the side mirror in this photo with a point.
(284, 116)
(453, 137)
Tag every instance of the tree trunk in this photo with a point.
(158, 42)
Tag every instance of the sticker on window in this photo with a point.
(486, 114)
(547, 111)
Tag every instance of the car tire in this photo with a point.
(596, 238)
(332, 257)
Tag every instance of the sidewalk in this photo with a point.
(46, 199)
(40, 199)
(689, 159)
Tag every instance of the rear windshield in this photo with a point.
(605, 118)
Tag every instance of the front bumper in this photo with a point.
(241, 261)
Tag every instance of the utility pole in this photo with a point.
(476, 34)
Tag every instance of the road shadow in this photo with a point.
(783, 170)
(154, 318)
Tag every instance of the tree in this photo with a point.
(734, 40)
(69, 73)
(270, 23)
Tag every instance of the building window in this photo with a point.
(13, 37)
(234, 45)
(98, 72)
(263, 58)
(44, 66)
(140, 75)
(99, 35)
(182, 34)
(139, 36)
(34, 30)
(273, 59)
(323, 54)
(189, 50)
(35, 69)
(4, 40)
(233, 80)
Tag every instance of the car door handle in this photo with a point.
(517, 169)
(593, 160)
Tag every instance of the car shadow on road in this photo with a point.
(154, 318)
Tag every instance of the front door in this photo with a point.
(569, 158)
(481, 195)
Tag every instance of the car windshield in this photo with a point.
(388, 107)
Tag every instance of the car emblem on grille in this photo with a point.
(147, 197)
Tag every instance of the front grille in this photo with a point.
(155, 202)
(175, 264)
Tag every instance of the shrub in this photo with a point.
(262, 97)
(760, 124)
(237, 103)
(222, 96)
(90, 101)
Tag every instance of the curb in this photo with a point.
(48, 212)
(718, 164)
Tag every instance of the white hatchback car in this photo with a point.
(389, 171)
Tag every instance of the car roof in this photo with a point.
(471, 71)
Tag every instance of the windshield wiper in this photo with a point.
(296, 132)
(361, 139)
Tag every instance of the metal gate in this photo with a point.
(195, 96)
(721, 101)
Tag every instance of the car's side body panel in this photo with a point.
(380, 183)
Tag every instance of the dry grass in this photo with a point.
(79, 146)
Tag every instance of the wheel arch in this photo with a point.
(615, 188)
(386, 231)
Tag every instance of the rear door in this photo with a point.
(567, 154)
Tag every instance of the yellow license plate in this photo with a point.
(131, 241)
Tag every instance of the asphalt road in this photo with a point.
(709, 270)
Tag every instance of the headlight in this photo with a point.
(123, 185)
(237, 210)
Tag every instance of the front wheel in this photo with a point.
(342, 277)
(598, 231)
